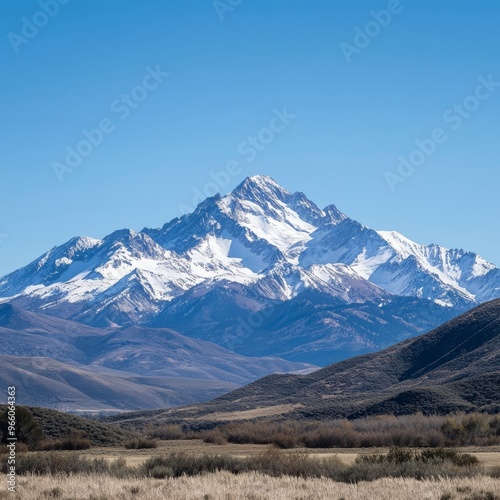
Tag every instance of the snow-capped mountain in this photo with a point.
(268, 246)
(402, 267)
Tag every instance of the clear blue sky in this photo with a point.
(352, 121)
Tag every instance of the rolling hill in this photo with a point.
(69, 366)
(452, 368)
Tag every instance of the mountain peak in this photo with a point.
(257, 187)
(334, 214)
(261, 180)
(121, 235)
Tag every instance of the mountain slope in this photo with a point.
(64, 364)
(270, 248)
(50, 383)
(454, 367)
(314, 326)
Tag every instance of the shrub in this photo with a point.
(166, 432)
(191, 465)
(27, 431)
(272, 462)
(494, 426)
(74, 441)
(160, 472)
(433, 456)
(20, 448)
(495, 472)
(39, 463)
(140, 443)
(298, 464)
(395, 456)
(443, 455)
(58, 463)
(384, 430)
(214, 436)
(282, 435)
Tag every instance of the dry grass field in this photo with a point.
(489, 456)
(251, 486)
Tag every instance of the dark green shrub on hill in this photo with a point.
(27, 428)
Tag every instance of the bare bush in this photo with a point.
(377, 431)
(214, 436)
(165, 432)
(73, 441)
(176, 464)
(140, 443)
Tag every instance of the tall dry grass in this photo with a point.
(399, 462)
(252, 486)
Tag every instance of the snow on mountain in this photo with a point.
(452, 278)
(285, 281)
(259, 236)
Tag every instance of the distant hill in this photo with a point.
(72, 387)
(69, 366)
(454, 367)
